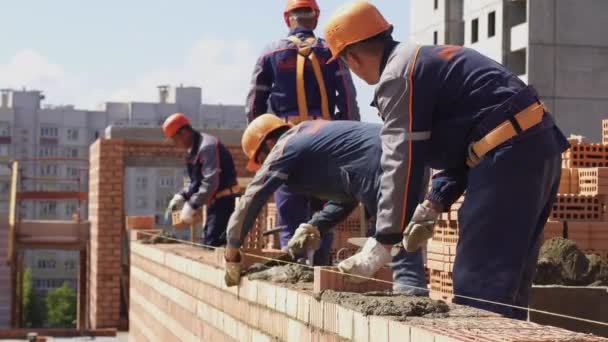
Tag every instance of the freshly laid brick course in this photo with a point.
(177, 297)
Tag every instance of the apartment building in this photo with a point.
(558, 46)
(53, 144)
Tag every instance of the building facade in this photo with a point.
(558, 46)
(52, 143)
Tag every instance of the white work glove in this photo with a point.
(305, 238)
(368, 261)
(187, 213)
(175, 202)
(420, 228)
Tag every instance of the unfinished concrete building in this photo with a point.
(558, 46)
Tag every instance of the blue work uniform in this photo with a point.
(274, 82)
(436, 101)
(211, 171)
(338, 162)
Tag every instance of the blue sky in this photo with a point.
(85, 53)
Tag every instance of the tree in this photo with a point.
(33, 308)
(61, 307)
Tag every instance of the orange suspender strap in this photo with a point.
(305, 51)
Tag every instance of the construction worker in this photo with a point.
(336, 161)
(292, 74)
(453, 109)
(213, 180)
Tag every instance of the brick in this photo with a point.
(298, 332)
(379, 328)
(593, 181)
(585, 155)
(331, 278)
(316, 313)
(421, 335)
(140, 222)
(330, 317)
(398, 332)
(304, 303)
(281, 299)
(360, 327)
(569, 207)
(291, 303)
(345, 322)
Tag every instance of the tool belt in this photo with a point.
(233, 190)
(306, 52)
(513, 126)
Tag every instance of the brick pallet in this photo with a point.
(578, 207)
(569, 181)
(605, 132)
(585, 155)
(593, 181)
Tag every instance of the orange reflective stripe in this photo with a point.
(410, 142)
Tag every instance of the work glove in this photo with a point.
(368, 261)
(232, 277)
(420, 228)
(187, 213)
(305, 238)
(175, 202)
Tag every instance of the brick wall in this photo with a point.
(178, 295)
(107, 216)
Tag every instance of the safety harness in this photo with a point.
(305, 51)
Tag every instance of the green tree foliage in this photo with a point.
(61, 307)
(33, 308)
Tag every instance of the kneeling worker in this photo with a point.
(337, 161)
(213, 180)
(456, 110)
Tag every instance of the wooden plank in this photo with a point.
(51, 195)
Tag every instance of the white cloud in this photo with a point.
(222, 68)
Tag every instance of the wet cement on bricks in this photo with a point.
(281, 273)
(561, 262)
(387, 304)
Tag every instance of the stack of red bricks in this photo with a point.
(351, 227)
(441, 253)
(579, 212)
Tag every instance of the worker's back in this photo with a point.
(275, 81)
(460, 95)
(333, 160)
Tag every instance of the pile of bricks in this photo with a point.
(579, 212)
(441, 253)
(177, 296)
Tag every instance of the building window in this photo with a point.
(69, 265)
(49, 132)
(47, 151)
(474, 31)
(72, 171)
(435, 38)
(492, 24)
(141, 183)
(48, 209)
(167, 182)
(70, 209)
(5, 131)
(71, 152)
(436, 4)
(141, 203)
(47, 264)
(4, 150)
(72, 134)
(49, 170)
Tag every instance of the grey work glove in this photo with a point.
(175, 202)
(232, 277)
(420, 228)
(305, 238)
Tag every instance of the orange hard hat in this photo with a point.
(254, 136)
(353, 23)
(295, 4)
(174, 123)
